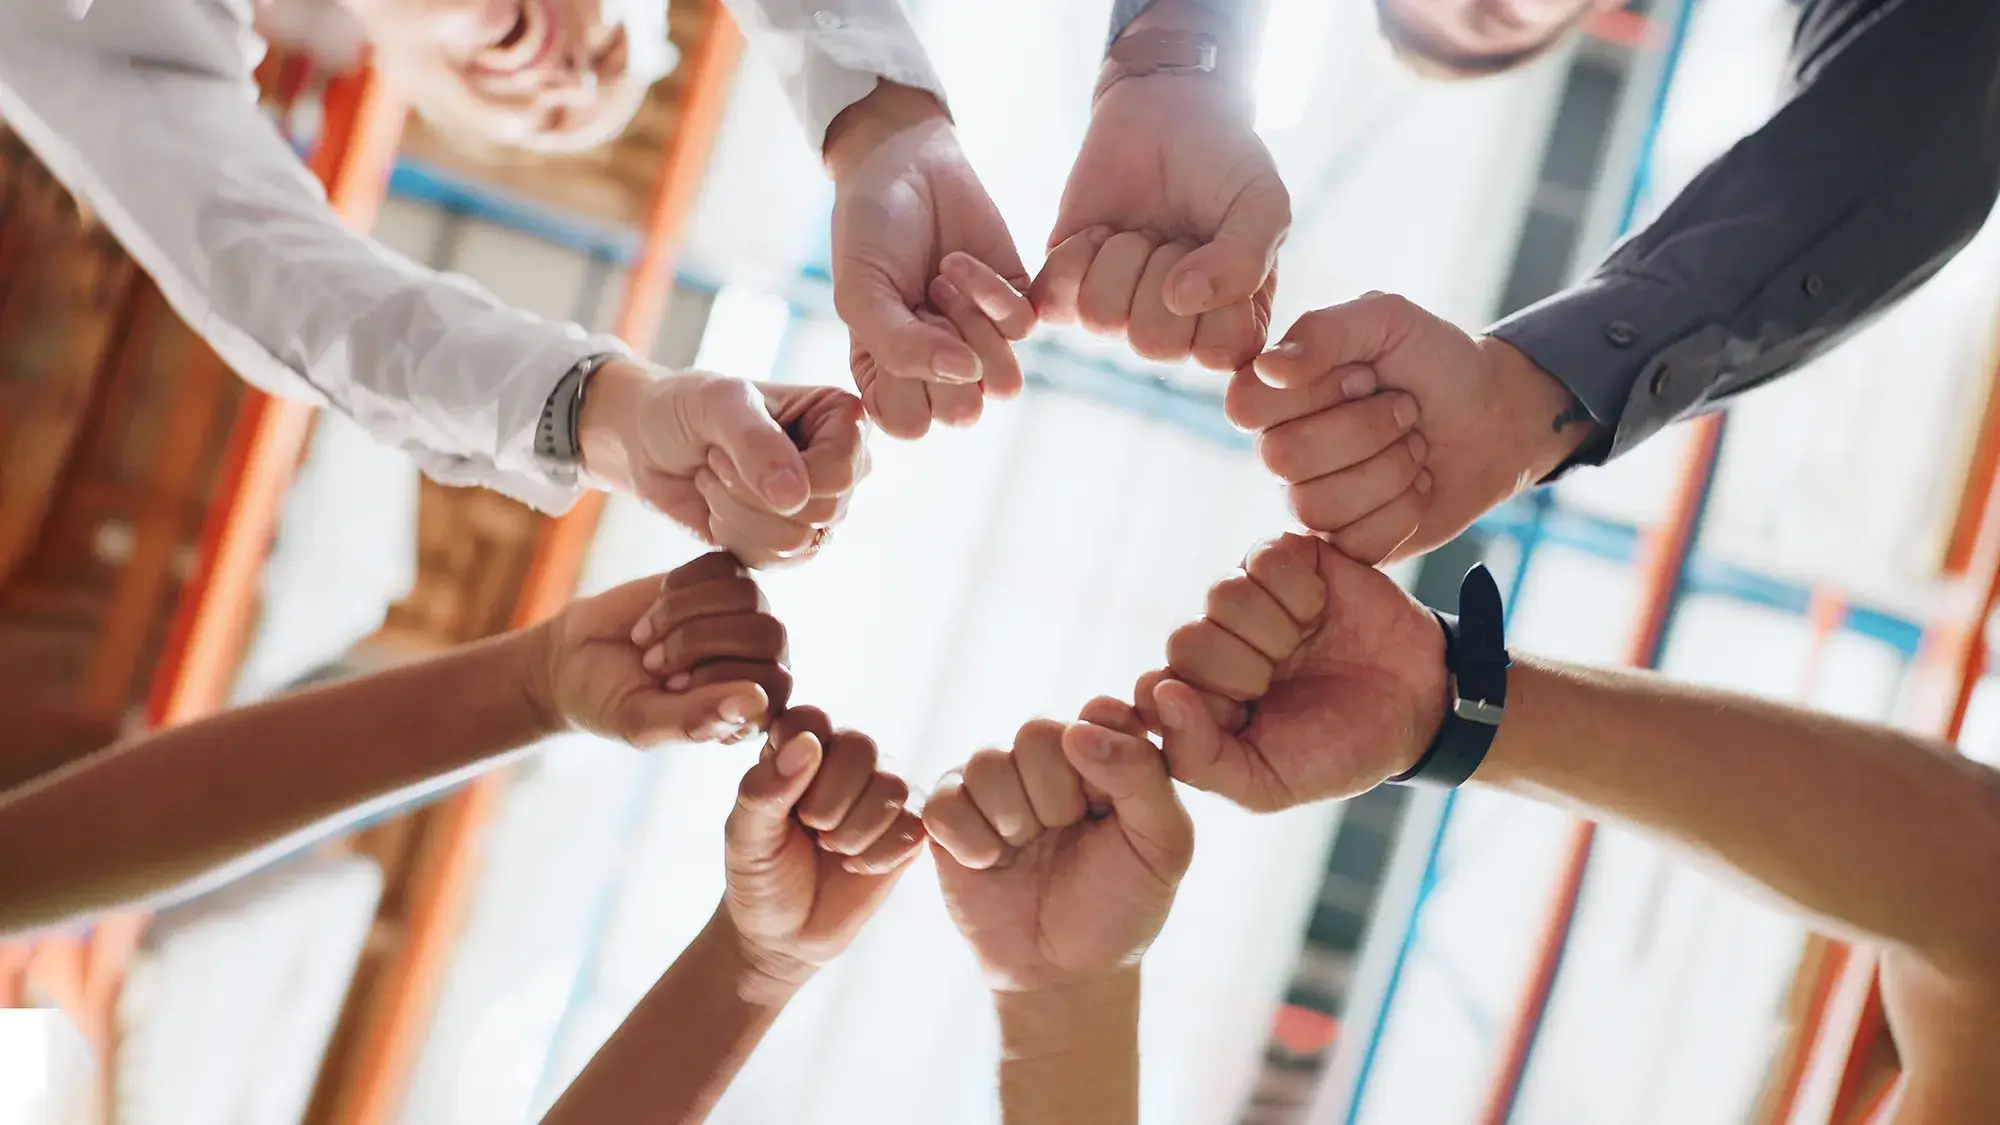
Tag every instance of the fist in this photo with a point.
(818, 837)
(1311, 676)
(1059, 858)
(717, 670)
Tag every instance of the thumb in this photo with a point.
(901, 343)
(762, 820)
(1232, 266)
(1131, 772)
(712, 713)
(730, 415)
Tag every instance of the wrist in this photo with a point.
(611, 403)
(889, 109)
(760, 976)
(534, 665)
(1038, 1023)
(1545, 415)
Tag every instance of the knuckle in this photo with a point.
(1233, 598)
(1038, 730)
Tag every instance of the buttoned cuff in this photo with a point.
(849, 45)
(1637, 353)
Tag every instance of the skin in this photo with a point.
(148, 815)
(1058, 859)
(796, 896)
(547, 76)
(1875, 834)
(1169, 226)
(925, 273)
(1393, 430)
(1474, 29)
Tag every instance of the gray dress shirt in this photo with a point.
(1880, 167)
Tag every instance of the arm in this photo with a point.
(206, 196)
(1071, 1056)
(675, 1055)
(1879, 170)
(1877, 833)
(1867, 830)
(208, 798)
(818, 838)
(155, 813)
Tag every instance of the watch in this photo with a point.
(556, 434)
(1476, 662)
(1156, 52)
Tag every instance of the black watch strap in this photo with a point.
(1475, 657)
(556, 433)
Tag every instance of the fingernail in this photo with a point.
(947, 290)
(680, 681)
(1423, 485)
(1093, 743)
(655, 658)
(1358, 384)
(733, 710)
(1418, 446)
(794, 757)
(1406, 411)
(1173, 710)
(1194, 290)
(642, 633)
(956, 366)
(785, 488)
(1290, 349)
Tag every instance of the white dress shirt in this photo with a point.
(146, 109)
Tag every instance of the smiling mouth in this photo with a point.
(525, 25)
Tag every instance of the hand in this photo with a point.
(764, 470)
(594, 670)
(1059, 859)
(1170, 223)
(924, 272)
(1311, 676)
(818, 837)
(1470, 423)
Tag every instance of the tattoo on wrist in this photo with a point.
(1575, 411)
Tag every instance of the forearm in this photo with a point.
(1071, 1057)
(1875, 831)
(146, 816)
(672, 1058)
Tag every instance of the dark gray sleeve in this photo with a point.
(1123, 12)
(1880, 168)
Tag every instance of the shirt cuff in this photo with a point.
(848, 47)
(1637, 353)
(515, 470)
(1123, 12)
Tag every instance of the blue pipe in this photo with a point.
(1634, 197)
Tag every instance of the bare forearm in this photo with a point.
(1875, 831)
(672, 1058)
(1071, 1058)
(146, 816)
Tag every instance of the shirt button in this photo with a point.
(1621, 333)
(1813, 285)
(828, 21)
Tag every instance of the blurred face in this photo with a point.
(545, 75)
(1481, 29)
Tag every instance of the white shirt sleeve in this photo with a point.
(829, 53)
(207, 197)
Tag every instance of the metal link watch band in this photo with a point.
(1475, 656)
(556, 434)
